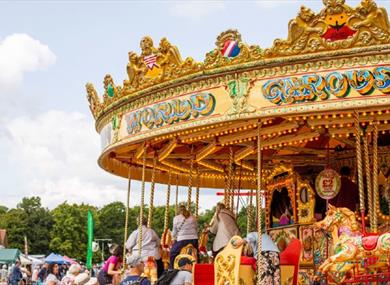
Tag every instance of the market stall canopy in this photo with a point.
(55, 258)
(69, 260)
(9, 255)
(25, 260)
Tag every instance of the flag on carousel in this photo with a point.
(150, 61)
(230, 49)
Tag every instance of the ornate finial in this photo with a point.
(230, 50)
(93, 99)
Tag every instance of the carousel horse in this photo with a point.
(351, 246)
(166, 241)
(203, 240)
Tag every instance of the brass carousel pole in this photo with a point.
(259, 207)
(360, 169)
(165, 241)
(152, 188)
(189, 193)
(374, 219)
(126, 217)
(368, 177)
(141, 210)
(250, 212)
(177, 195)
(229, 180)
(197, 193)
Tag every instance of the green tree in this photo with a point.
(3, 209)
(14, 222)
(39, 222)
(69, 231)
(112, 221)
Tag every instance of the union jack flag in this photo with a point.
(150, 61)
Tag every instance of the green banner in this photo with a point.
(90, 240)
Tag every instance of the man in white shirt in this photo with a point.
(150, 246)
(184, 276)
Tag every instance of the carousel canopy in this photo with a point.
(304, 98)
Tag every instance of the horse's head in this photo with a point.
(334, 217)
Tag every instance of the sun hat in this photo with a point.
(74, 269)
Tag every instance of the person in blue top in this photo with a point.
(136, 268)
(16, 274)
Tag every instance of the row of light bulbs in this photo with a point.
(221, 133)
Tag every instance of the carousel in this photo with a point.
(278, 125)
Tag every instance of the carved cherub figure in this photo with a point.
(134, 69)
(147, 47)
(93, 98)
(372, 16)
(304, 24)
(170, 53)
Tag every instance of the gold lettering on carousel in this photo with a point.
(310, 87)
(167, 113)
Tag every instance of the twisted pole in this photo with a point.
(141, 210)
(374, 218)
(126, 217)
(197, 193)
(259, 208)
(368, 175)
(189, 193)
(359, 168)
(152, 188)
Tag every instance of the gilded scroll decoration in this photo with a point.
(337, 26)
(224, 268)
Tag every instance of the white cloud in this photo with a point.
(55, 155)
(274, 3)
(20, 53)
(196, 9)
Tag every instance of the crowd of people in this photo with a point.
(184, 233)
(48, 274)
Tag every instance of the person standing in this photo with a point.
(4, 274)
(16, 274)
(150, 246)
(53, 275)
(224, 226)
(348, 197)
(34, 276)
(184, 232)
(43, 272)
(111, 267)
(136, 269)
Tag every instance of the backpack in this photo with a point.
(167, 277)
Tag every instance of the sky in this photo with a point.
(49, 50)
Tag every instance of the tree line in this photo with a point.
(63, 229)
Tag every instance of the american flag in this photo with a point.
(150, 61)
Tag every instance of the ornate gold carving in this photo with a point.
(156, 65)
(337, 26)
(215, 58)
(93, 99)
(306, 202)
(239, 93)
(224, 268)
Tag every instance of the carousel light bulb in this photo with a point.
(334, 116)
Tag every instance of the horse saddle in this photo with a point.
(369, 242)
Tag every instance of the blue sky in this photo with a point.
(50, 49)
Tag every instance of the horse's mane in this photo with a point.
(352, 218)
